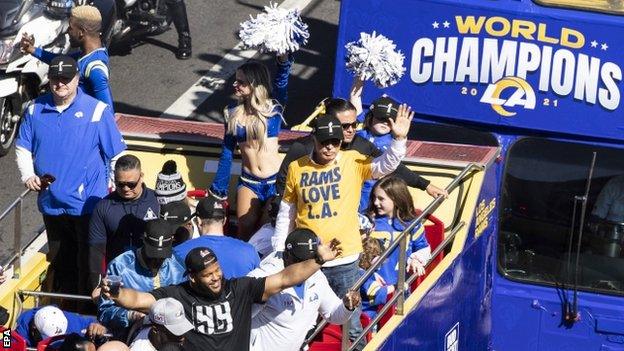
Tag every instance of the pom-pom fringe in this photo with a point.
(277, 30)
(374, 57)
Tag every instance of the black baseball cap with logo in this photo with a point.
(209, 207)
(176, 213)
(63, 67)
(384, 108)
(198, 259)
(158, 238)
(327, 128)
(302, 244)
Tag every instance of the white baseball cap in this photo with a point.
(169, 313)
(50, 321)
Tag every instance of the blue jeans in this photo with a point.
(341, 279)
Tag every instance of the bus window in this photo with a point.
(542, 179)
(607, 6)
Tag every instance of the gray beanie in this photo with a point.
(169, 184)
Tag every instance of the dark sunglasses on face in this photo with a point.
(129, 185)
(333, 142)
(240, 82)
(349, 125)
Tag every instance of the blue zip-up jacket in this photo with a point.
(135, 276)
(75, 323)
(236, 257)
(280, 91)
(94, 72)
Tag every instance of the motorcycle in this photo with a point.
(22, 76)
(138, 18)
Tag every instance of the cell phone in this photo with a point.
(46, 180)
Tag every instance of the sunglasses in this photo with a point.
(333, 142)
(349, 125)
(129, 185)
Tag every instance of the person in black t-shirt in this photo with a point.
(220, 309)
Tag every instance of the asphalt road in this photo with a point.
(147, 78)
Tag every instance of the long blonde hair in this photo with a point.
(259, 105)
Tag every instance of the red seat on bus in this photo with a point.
(330, 338)
(435, 235)
(18, 343)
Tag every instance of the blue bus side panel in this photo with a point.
(455, 313)
(561, 70)
(533, 314)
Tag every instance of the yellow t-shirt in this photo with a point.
(327, 197)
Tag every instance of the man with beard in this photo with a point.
(220, 309)
(84, 29)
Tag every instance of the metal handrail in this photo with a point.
(21, 295)
(17, 232)
(400, 240)
(401, 289)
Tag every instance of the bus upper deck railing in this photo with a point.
(16, 258)
(401, 241)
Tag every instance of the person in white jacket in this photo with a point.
(284, 320)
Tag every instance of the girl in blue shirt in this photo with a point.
(392, 208)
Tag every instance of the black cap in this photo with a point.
(158, 238)
(384, 108)
(302, 244)
(198, 259)
(327, 128)
(63, 67)
(176, 213)
(209, 207)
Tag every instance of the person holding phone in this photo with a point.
(73, 137)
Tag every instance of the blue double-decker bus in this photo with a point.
(541, 265)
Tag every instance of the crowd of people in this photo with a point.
(162, 271)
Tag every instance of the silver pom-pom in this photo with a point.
(276, 30)
(374, 57)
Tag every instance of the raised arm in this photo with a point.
(129, 299)
(391, 159)
(297, 273)
(355, 96)
(280, 82)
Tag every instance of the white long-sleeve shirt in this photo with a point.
(283, 321)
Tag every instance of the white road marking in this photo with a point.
(188, 102)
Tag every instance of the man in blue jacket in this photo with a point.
(150, 267)
(237, 257)
(85, 25)
(118, 221)
(73, 137)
